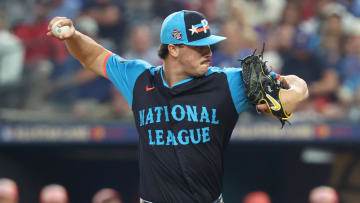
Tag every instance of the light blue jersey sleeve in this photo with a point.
(236, 85)
(123, 73)
(237, 89)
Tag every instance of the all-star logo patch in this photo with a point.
(202, 27)
(176, 34)
(197, 27)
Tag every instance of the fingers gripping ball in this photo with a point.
(58, 31)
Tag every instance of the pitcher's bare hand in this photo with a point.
(63, 22)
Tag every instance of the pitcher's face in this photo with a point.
(195, 59)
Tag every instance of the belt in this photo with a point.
(220, 199)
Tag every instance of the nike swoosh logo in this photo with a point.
(275, 105)
(149, 88)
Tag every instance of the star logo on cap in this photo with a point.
(193, 30)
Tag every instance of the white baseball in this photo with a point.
(57, 31)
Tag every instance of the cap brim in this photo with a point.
(212, 39)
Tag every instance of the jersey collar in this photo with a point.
(179, 83)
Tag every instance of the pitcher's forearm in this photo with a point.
(90, 54)
(297, 92)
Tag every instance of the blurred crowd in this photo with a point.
(56, 193)
(320, 194)
(318, 40)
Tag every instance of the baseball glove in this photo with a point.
(263, 86)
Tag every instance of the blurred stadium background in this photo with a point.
(62, 124)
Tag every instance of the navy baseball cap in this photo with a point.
(187, 27)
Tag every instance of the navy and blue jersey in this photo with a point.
(183, 130)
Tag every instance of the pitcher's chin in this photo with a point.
(203, 70)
